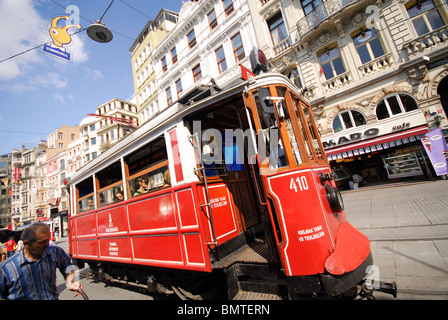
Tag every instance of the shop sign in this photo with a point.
(437, 150)
(385, 127)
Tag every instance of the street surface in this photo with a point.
(407, 225)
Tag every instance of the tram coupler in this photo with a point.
(388, 287)
(367, 289)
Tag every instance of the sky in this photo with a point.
(39, 93)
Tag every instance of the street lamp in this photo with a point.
(98, 32)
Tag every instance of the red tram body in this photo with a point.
(262, 220)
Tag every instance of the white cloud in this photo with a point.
(50, 80)
(22, 29)
(92, 74)
(63, 98)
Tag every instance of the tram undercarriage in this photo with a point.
(249, 273)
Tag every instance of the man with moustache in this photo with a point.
(31, 273)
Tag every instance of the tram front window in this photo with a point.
(271, 147)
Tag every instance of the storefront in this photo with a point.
(388, 150)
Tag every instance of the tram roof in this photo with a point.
(168, 118)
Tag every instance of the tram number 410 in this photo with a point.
(299, 184)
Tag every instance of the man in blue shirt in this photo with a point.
(31, 273)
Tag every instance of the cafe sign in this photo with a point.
(388, 126)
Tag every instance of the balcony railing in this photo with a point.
(426, 42)
(376, 65)
(282, 46)
(321, 13)
(337, 82)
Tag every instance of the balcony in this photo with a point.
(330, 15)
(337, 82)
(426, 43)
(377, 65)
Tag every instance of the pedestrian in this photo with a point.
(10, 247)
(31, 273)
(2, 252)
(19, 245)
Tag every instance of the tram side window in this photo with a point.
(147, 168)
(272, 151)
(84, 195)
(110, 184)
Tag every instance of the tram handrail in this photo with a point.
(256, 181)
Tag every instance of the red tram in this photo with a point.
(229, 191)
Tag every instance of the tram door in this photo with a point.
(226, 172)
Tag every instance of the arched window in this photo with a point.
(394, 104)
(348, 119)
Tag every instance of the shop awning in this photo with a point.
(380, 143)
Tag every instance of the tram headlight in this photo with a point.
(335, 199)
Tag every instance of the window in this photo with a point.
(310, 5)
(238, 48)
(93, 141)
(212, 22)
(368, 45)
(169, 98)
(92, 127)
(148, 168)
(394, 104)
(191, 39)
(348, 119)
(331, 63)
(59, 135)
(228, 6)
(110, 181)
(277, 29)
(174, 55)
(197, 73)
(179, 87)
(425, 17)
(220, 57)
(84, 195)
(164, 66)
(293, 75)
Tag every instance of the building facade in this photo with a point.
(24, 184)
(59, 139)
(205, 49)
(115, 119)
(5, 195)
(143, 67)
(375, 73)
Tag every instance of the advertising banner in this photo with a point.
(17, 174)
(437, 150)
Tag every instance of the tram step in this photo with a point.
(255, 281)
(250, 295)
